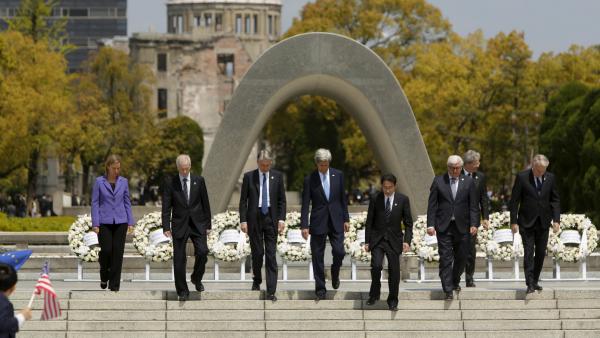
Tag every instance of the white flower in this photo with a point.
(418, 245)
(77, 230)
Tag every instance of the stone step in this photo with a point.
(415, 334)
(214, 334)
(581, 334)
(581, 324)
(315, 334)
(510, 314)
(216, 305)
(580, 313)
(203, 315)
(508, 304)
(324, 325)
(113, 304)
(402, 315)
(117, 325)
(421, 325)
(313, 305)
(313, 315)
(578, 304)
(114, 334)
(515, 334)
(506, 325)
(216, 325)
(113, 315)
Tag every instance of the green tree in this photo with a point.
(34, 18)
(570, 136)
(34, 92)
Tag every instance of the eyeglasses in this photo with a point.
(455, 168)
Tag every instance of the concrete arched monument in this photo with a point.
(333, 66)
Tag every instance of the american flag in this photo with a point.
(51, 305)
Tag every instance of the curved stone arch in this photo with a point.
(333, 66)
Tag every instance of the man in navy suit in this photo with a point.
(186, 214)
(323, 194)
(534, 205)
(452, 214)
(262, 217)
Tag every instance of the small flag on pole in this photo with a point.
(51, 305)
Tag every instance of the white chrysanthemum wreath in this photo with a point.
(226, 241)
(354, 240)
(577, 238)
(149, 240)
(498, 241)
(83, 242)
(290, 244)
(423, 245)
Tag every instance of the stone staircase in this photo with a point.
(559, 312)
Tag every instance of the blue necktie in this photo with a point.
(538, 184)
(326, 186)
(264, 208)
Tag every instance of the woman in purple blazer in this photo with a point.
(111, 220)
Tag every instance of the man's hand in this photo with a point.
(96, 229)
(473, 231)
(405, 247)
(431, 231)
(366, 247)
(244, 227)
(26, 312)
(556, 227)
(281, 227)
(514, 228)
(346, 226)
(305, 234)
(486, 224)
(167, 233)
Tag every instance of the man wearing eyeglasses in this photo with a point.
(452, 215)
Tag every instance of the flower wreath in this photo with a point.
(354, 245)
(77, 231)
(149, 241)
(292, 252)
(498, 241)
(425, 249)
(577, 238)
(227, 252)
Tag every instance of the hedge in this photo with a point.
(15, 224)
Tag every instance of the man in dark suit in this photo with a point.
(534, 204)
(453, 215)
(384, 236)
(471, 169)
(186, 214)
(324, 189)
(262, 216)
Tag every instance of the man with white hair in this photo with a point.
(452, 215)
(324, 189)
(471, 169)
(186, 214)
(534, 205)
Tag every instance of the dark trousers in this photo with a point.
(180, 258)
(452, 247)
(471, 256)
(111, 238)
(263, 242)
(384, 248)
(317, 246)
(535, 240)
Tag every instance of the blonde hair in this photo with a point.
(110, 160)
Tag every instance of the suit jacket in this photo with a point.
(323, 210)
(110, 206)
(442, 206)
(377, 227)
(483, 201)
(526, 205)
(177, 213)
(9, 325)
(250, 197)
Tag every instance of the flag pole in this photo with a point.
(44, 270)
(31, 299)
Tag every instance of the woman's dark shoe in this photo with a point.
(103, 285)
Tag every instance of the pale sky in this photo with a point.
(549, 25)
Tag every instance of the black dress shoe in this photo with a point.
(103, 285)
(321, 295)
(255, 286)
(537, 287)
(372, 301)
(114, 289)
(272, 297)
(470, 284)
(335, 283)
(200, 287)
(393, 306)
(457, 288)
(449, 296)
(530, 289)
(183, 296)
